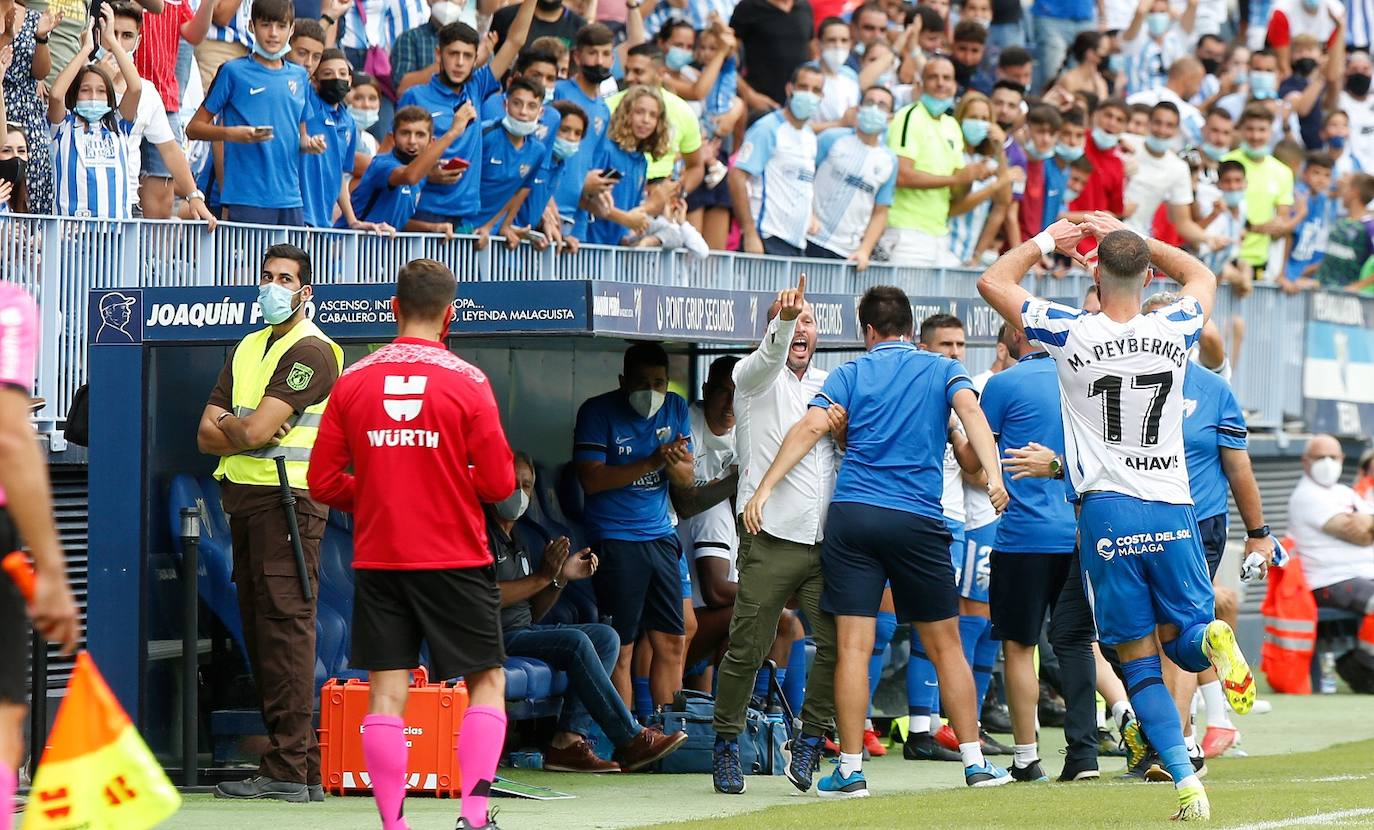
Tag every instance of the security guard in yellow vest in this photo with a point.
(267, 403)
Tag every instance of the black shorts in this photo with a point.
(1213, 534)
(639, 586)
(1024, 587)
(708, 197)
(14, 626)
(455, 611)
(867, 547)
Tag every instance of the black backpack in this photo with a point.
(78, 429)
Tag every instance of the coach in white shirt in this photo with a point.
(1334, 531)
(773, 387)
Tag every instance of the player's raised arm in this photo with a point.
(1195, 279)
(1000, 285)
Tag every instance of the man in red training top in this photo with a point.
(420, 429)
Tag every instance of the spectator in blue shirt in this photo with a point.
(258, 102)
(885, 522)
(638, 130)
(511, 156)
(451, 197)
(539, 210)
(389, 192)
(1308, 242)
(593, 54)
(629, 446)
(1035, 567)
(540, 66)
(1057, 23)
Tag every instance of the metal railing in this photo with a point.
(60, 259)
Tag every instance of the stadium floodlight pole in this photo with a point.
(190, 643)
(288, 506)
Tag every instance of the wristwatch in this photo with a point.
(557, 586)
(195, 194)
(1056, 468)
(1261, 532)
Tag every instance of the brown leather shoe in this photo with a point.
(578, 757)
(648, 746)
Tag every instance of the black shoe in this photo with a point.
(1079, 771)
(1157, 772)
(996, 718)
(260, 786)
(990, 746)
(924, 748)
(316, 792)
(1051, 707)
(1137, 772)
(490, 825)
(1032, 772)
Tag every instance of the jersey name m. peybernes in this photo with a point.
(1121, 395)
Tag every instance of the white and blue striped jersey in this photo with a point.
(1148, 60)
(1360, 23)
(91, 168)
(965, 228)
(851, 179)
(386, 21)
(1121, 395)
(781, 162)
(236, 31)
(1229, 225)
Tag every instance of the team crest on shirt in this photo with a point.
(599, 123)
(291, 85)
(524, 170)
(541, 132)
(299, 377)
(1189, 407)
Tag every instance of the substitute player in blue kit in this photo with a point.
(1121, 385)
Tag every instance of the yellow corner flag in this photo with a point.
(97, 772)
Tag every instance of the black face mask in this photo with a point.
(1210, 65)
(595, 74)
(1005, 125)
(1357, 85)
(550, 5)
(962, 73)
(403, 155)
(1304, 66)
(13, 170)
(334, 90)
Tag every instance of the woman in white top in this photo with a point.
(90, 150)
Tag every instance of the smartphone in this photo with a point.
(613, 174)
(535, 236)
(455, 163)
(267, 131)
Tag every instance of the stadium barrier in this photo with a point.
(60, 259)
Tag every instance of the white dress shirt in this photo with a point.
(1327, 560)
(769, 400)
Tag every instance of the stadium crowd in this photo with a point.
(928, 135)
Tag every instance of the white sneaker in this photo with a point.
(1261, 707)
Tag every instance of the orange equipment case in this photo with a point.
(433, 718)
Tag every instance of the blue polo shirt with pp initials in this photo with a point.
(1212, 421)
(1022, 405)
(505, 168)
(322, 173)
(462, 199)
(247, 93)
(610, 431)
(898, 398)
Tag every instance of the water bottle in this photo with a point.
(1328, 673)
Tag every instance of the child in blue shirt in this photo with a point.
(637, 128)
(259, 104)
(389, 192)
(1308, 242)
(511, 156)
(565, 143)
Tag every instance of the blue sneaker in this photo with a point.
(806, 758)
(726, 772)
(834, 785)
(986, 776)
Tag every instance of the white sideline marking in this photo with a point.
(1303, 821)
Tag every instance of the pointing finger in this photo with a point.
(801, 286)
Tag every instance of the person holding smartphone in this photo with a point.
(638, 130)
(389, 191)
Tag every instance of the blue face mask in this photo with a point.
(803, 104)
(936, 106)
(1035, 153)
(1157, 23)
(1116, 62)
(364, 118)
(275, 302)
(1214, 152)
(677, 58)
(1254, 152)
(975, 131)
(516, 127)
(271, 56)
(563, 148)
(91, 110)
(1336, 142)
(1264, 85)
(1068, 153)
(1158, 146)
(872, 120)
(1233, 198)
(1105, 140)
(1243, 77)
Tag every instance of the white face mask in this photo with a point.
(445, 12)
(647, 402)
(1326, 471)
(835, 58)
(513, 506)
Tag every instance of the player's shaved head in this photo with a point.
(425, 289)
(1122, 257)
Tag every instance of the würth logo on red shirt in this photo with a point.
(403, 402)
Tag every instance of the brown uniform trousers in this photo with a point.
(279, 630)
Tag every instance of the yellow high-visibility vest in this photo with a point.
(254, 365)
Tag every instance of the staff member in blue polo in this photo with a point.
(629, 445)
(450, 196)
(1035, 568)
(886, 524)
